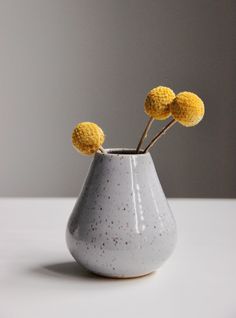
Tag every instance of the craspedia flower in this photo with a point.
(187, 108)
(87, 137)
(157, 103)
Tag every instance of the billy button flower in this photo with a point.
(88, 138)
(187, 108)
(157, 107)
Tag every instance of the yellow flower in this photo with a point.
(187, 108)
(157, 102)
(87, 137)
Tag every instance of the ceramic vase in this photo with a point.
(121, 225)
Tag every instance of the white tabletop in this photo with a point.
(39, 278)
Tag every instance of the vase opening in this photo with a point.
(124, 151)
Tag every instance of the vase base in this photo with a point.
(123, 277)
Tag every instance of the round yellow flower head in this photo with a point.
(187, 108)
(87, 137)
(157, 103)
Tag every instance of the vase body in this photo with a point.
(121, 225)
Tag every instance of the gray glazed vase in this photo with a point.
(121, 225)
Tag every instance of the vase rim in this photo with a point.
(116, 152)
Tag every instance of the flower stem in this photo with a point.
(102, 150)
(162, 132)
(144, 135)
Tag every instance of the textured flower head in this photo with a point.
(87, 137)
(187, 108)
(157, 103)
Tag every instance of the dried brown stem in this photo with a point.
(162, 132)
(144, 135)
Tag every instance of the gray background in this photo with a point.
(62, 62)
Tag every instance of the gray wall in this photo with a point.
(67, 61)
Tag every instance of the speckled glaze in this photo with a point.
(121, 225)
